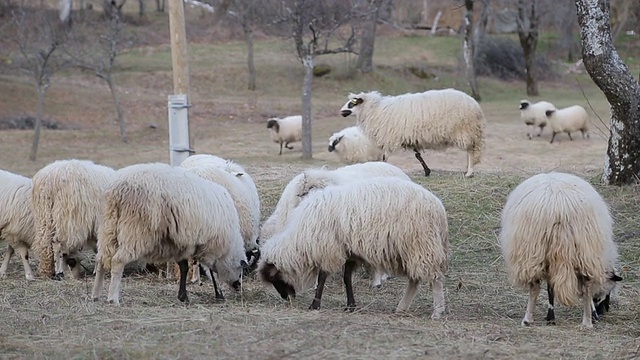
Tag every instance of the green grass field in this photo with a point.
(48, 319)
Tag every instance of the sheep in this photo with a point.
(66, 202)
(16, 220)
(556, 227)
(387, 223)
(569, 119)
(353, 146)
(285, 130)
(158, 213)
(534, 115)
(434, 119)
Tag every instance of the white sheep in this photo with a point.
(285, 130)
(16, 220)
(353, 146)
(434, 119)
(158, 213)
(569, 119)
(387, 223)
(534, 115)
(557, 228)
(66, 202)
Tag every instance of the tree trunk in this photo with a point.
(528, 34)
(116, 102)
(42, 89)
(248, 34)
(567, 43)
(141, 9)
(365, 57)
(307, 85)
(612, 76)
(425, 11)
(160, 5)
(468, 49)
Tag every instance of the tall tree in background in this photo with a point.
(468, 49)
(528, 33)
(245, 13)
(39, 37)
(368, 37)
(612, 76)
(314, 22)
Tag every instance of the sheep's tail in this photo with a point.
(562, 274)
(43, 243)
(108, 231)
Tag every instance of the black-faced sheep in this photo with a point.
(557, 228)
(16, 220)
(66, 200)
(434, 119)
(352, 146)
(393, 225)
(534, 115)
(570, 119)
(158, 213)
(285, 130)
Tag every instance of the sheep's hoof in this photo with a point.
(58, 276)
(3, 276)
(467, 175)
(350, 308)
(551, 322)
(29, 277)
(220, 298)
(526, 323)
(183, 298)
(95, 299)
(315, 305)
(436, 316)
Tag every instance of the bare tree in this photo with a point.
(468, 49)
(99, 55)
(113, 6)
(245, 13)
(39, 38)
(612, 76)
(160, 5)
(368, 36)
(528, 33)
(309, 28)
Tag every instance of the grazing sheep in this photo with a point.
(534, 115)
(66, 201)
(158, 213)
(16, 220)
(557, 228)
(353, 146)
(434, 119)
(389, 224)
(285, 130)
(569, 119)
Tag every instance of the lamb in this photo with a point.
(556, 227)
(353, 146)
(285, 130)
(569, 119)
(158, 213)
(16, 220)
(535, 114)
(434, 119)
(66, 201)
(387, 223)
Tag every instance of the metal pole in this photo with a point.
(179, 137)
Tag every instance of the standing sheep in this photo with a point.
(285, 130)
(434, 119)
(389, 224)
(66, 201)
(534, 115)
(353, 146)
(569, 119)
(16, 220)
(158, 213)
(557, 228)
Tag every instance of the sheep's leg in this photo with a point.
(570, 138)
(553, 136)
(409, 295)
(469, 164)
(168, 272)
(74, 266)
(24, 255)
(216, 289)
(99, 279)
(427, 171)
(59, 262)
(5, 262)
(349, 267)
(378, 278)
(322, 277)
(195, 272)
(588, 308)
(437, 288)
(280, 148)
(534, 291)
(551, 315)
(541, 128)
(182, 287)
(117, 268)
(286, 144)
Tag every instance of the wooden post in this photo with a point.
(178, 105)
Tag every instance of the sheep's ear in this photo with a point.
(244, 264)
(359, 101)
(548, 113)
(337, 140)
(239, 174)
(615, 277)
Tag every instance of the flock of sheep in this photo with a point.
(206, 212)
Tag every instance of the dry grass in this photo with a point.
(47, 319)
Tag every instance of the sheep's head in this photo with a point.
(524, 104)
(270, 273)
(273, 124)
(351, 106)
(333, 142)
(602, 297)
(230, 269)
